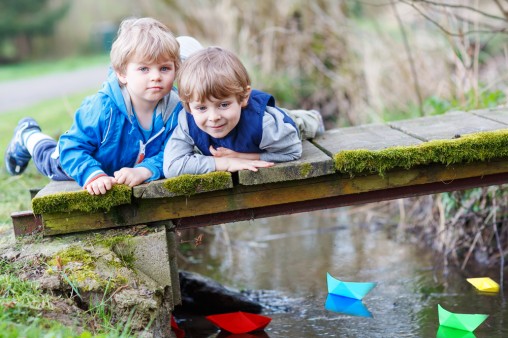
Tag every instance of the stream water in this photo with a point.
(289, 256)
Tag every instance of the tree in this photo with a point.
(23, 20)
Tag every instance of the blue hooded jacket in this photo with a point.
(106, 136)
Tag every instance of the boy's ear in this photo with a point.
(245, 100)
(122, 78)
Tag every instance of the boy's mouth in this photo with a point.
(217, 127)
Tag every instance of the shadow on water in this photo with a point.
(288, 257)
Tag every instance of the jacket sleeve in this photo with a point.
(179, 155)
(79, 143)
(280, 140)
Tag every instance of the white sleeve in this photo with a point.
(280, 140)
(179, 155)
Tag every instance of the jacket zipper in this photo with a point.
(142, 146)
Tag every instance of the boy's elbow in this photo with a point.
(169, 174)
(170, 170)
(166, 170)
(297, 154)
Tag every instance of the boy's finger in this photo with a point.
(102, 189)
(108, 184)
(119, 178)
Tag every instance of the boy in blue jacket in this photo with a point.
(233, 127)
(118, 134)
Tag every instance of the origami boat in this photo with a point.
(460, 321)
(346, 305)
(448, 332)
(484, 284)
(239, 322)
(179, 333)
(353, 290)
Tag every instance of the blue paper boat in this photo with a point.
(348, 289)
(346, 305)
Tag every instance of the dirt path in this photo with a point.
(26, 92)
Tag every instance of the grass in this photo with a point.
(21, 305)
(43, 67)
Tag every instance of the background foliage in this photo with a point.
(23, 20)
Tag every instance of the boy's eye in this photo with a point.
(165, 69)
(143, 69)
(200, 108)
(224, 105)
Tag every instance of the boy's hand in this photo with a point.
(236, 164)
(100, 185)
(132, 176)
(225, 152)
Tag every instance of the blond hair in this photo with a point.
(146, 40)
(212, 73)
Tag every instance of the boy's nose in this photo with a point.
(156, 75)
(214, 115)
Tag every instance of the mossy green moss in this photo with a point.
(110, 241)
(79, 266)
(82, 201)
(83, 269)
(305, 169)
(72, 254)
(188, 185)
(482, 146)
(126, 255)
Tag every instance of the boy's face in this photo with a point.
(217, 117)
(147, 83)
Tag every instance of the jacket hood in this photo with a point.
(117, 94)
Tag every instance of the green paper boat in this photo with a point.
(460, 321)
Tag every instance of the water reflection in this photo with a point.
(345, 305)
(290, 256)
(259, 334)
(448, 332)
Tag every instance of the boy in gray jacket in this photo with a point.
(233, 126)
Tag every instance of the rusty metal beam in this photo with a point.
(26, 223)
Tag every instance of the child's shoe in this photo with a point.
(17, 155)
